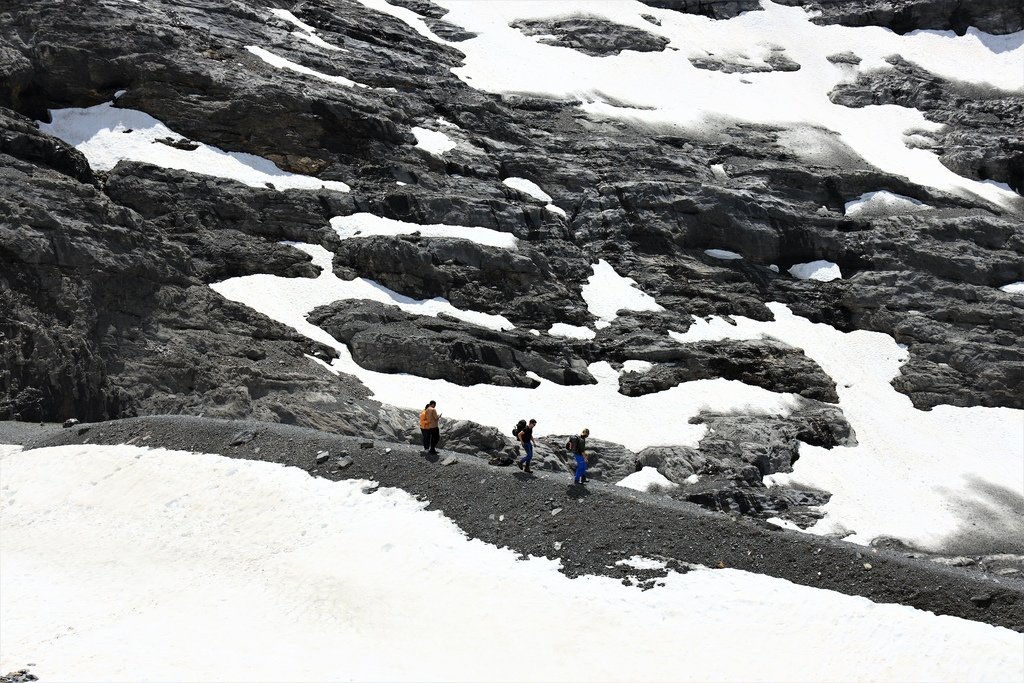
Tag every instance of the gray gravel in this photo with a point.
(593, 526)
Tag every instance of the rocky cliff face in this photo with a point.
(106, 309)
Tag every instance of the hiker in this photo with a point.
(425, 428)
(525, 437)
(578, 446)
(428, 426)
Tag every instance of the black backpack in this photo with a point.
(520, 426)
(570, 445)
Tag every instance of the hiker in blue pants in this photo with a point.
(579, 449)
(525, 437)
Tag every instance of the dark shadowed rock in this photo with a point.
(715, 9)
(386, 339)
(764, 363)
(903, 16)
(591, 35)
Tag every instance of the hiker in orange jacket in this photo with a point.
(429, 428)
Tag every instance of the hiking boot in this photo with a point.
(520, 466)
(527, 469)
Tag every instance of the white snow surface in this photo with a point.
(101, 134)
(533, 189)
(645, 479)
(124, 564)
(571, 331)
(665, 90)
(289, 300)
(640, 366)
(955, 460)
(367, 224)
(883, 203)
(825, 271)
(433, 141)
(282, 63)
(1013, 288)
(528, 186)
(607, 292)
(723, 254)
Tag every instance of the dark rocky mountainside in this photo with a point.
(105, 308)
(903, 16)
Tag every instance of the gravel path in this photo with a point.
(587, 529)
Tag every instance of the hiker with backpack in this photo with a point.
(525, 436)
(578, 446)
(429, 428)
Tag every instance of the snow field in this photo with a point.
(205, 568)
(107, 135)
(666, 89)
(915, 475)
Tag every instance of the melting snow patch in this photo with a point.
(531, 188)
(282, 63)
(638, 562)
(722, 254)
(1014, 288)
(528, 186)
(571, 331)
(607, 292)
(107, 135)
(301, 578)
(367, 224)
(637, 366)
(292, 19)
(784, 523)
(289, 300)
(956, 457)
(435, 142)
(305, 32)
(646, 479)
(883, 203)
(825, 271)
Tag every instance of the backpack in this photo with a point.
(570, 445)
(521, 425)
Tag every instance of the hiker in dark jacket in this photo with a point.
(525, 437)
(579, 450)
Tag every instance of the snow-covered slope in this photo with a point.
(204, 567)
